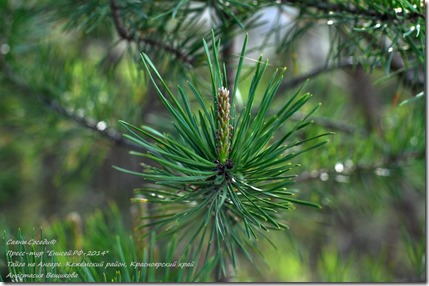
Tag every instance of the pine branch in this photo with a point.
(397, 63)
(227, 54)
(133, 37)
(391, 161)
(123, 33)
(357, 11)
(45, 98)
(375, 24)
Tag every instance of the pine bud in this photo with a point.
(224, 128)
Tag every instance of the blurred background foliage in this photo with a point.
(69, 70)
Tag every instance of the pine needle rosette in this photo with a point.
(223, 181)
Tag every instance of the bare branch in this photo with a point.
(133, 37)
(357, 11)
(389, 162)
(46, 99)
(122, 32)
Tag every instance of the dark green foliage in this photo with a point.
(110, 258)
(370, 31)
(71, 70)
(229, 201)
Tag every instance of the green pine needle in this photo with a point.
(224, 179)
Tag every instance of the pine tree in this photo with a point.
(222, 136)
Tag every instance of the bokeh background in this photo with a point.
(69, 70)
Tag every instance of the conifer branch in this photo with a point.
(134, 37)
(358, 11)
(397, 65)
(45, 98)
(391, 162)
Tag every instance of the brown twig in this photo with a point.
(134, 37)
(45, 98)
(349, 9)
(390, 162)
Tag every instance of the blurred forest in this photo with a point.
(69, 70)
